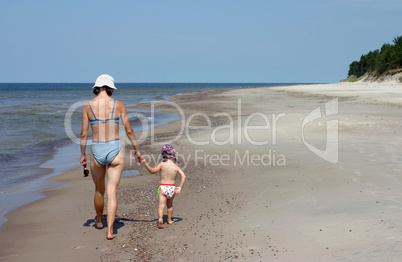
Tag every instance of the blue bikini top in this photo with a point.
(109, 120)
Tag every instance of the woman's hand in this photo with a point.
(138, 158)
(83, 160)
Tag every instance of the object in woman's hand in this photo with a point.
(86, 171)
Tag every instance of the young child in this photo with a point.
(167, 188)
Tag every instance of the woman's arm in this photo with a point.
(130, 132)
(84, 135)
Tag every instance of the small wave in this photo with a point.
(149, 118)
(24, 176)
(7, 157)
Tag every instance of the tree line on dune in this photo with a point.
(378, 62)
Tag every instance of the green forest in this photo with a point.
(378, 62)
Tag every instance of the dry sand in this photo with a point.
(243, 201)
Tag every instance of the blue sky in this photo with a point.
(288, 41)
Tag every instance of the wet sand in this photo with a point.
(254, 190)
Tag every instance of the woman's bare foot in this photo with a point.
(110, 236)
(99, 223)
(170, 222)
(160, 224)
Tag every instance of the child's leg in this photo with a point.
(170, 209)
(162, 204)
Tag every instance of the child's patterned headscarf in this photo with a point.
(169, 152)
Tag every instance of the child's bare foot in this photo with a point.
(160, 224)
(98, 222)
(170, 222)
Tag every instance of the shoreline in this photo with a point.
(272, 209)
(62, 160)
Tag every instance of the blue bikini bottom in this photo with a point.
(105, 152)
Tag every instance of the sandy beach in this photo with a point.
(292, 173)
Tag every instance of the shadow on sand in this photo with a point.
(119, 222)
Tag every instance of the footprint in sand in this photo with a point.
(397, 238)
(77, 247)
(9, 256)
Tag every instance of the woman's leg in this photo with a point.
(98, 173)
(114, 172)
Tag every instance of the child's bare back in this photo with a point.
(169, 172)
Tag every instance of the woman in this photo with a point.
(103, 114)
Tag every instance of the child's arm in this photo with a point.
(149, 168)
(183, 179)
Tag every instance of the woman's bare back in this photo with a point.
(104, 108)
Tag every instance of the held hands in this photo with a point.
(138, 158)
(177, 190)
(143, 161)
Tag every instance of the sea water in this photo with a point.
(34, 144)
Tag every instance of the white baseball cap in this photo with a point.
(105, 80)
